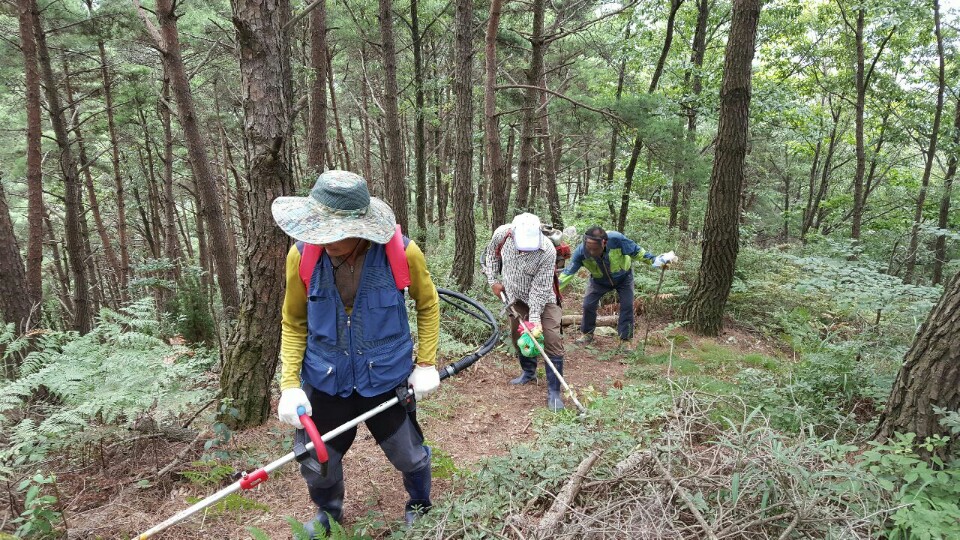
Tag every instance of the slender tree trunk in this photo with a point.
(858, 119)
(638, 142)
(168, 42)
(396, 182)
(28, 45)
(940, 245)
(721, 232)
(117, 177)
(615, 132)
(550, 161)
(71, 180)
(496, 168)
(336, 115)
(531, 99)
(816, 197)
(317, 135)
(86, 165)
(419, 127)
(908, 276)
(171, 244)
(466, 239)
(699, 50)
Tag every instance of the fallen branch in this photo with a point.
(565, 498)
(684, 497)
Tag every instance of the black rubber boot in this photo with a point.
(417, 484)
(329, 503)
(529, 367)
(554, 395)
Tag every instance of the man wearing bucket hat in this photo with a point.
(346, 343)
(526, 261)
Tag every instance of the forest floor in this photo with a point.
(473, 416)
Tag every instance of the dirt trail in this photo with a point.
(474, 415)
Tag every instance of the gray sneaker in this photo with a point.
(585, 339)
(626, 346)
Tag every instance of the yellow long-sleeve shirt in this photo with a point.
(293, 334)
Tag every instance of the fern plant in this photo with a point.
(73, 389)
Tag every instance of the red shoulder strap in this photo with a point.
(396, 256)
(504, 241)
(309, 256)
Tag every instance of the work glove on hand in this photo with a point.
(664, 259)
(530, 332)
(424, 380)
(290, 399)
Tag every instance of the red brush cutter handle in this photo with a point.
(314, 435)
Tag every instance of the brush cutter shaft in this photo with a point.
(546, 358)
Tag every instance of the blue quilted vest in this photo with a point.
(369, 351)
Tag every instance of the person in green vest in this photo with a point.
(609, 256)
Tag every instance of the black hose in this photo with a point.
(485, 316)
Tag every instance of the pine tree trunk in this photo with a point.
(930, 375)
(171, 244)
(15, 306)
(550, 159)
(253, 348)
(931, 154)
(419, 127)
(28, 45)
(71, 180)
(940, 245)
(117, 177)
(615, 132)
(317, 134)
(396, 182)
(496, 169)
(466, 240)
(699, 50)
(168, 42)
(528, 124)
(721, 232)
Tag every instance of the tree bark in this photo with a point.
(317, 136)
(814, 198)
(336, 115)
(253, 347)
(396, 182)
(14, 305)
(930, 375)
(71, 180)
(940, 244)
(466, 239)
(496, 168)
(28, 46)
(551, 158)
(168, 43)
(171, 244)
(931, 156)
(721, 232)
(859, 107)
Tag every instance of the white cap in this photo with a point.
(526, 232)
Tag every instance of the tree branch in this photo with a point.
(606, 113)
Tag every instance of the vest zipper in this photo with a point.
(353, 367)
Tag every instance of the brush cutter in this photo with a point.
(549, 363)
(405, 396)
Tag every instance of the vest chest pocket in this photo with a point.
(384, 316)
(322, 318)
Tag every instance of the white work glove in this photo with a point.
(424, 380)
(664, 259)
(290, 399)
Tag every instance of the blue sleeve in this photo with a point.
(576, 261)
(630, 248)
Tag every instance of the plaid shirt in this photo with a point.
(526, 275)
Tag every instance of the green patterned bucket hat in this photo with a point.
(339, 206)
